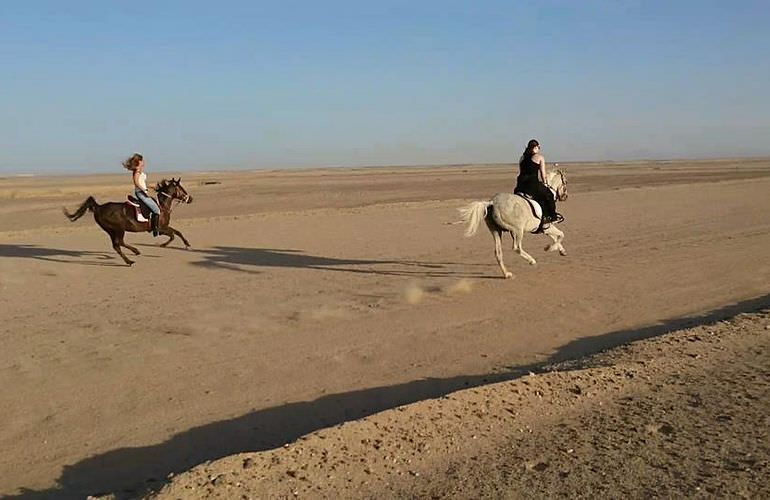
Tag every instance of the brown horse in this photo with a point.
(117, 218)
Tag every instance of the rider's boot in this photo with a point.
(154, 224)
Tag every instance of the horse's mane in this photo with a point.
(165, 183)
(560, 172)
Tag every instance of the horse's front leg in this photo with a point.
(557, 236)
(170, 231)
(167, 231)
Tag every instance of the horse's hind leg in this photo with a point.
(498, 235)
(116, 241)
(126, 245)
(518, 236)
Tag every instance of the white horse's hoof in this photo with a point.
(508, 275)
(563, 252)
(532, 262)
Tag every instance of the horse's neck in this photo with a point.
(554, 179)
(164, 200)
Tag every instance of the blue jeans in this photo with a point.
(142, 196)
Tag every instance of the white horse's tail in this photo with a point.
(473, 214)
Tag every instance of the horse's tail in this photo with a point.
(473, 214)
(89, 204)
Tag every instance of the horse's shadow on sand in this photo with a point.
(250, 260)
(130, 472)
(79, 257)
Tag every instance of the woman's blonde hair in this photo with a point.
(132, 161)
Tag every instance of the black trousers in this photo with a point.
(540, 193)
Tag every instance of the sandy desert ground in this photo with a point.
(684, 415)
(312, 298)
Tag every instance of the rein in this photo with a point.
(563, 183)
(170, 205)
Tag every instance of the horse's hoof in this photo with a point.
(563, 253)
(130, 263)
(508, 275)
(532, 262)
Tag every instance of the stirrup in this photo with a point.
(559, 218)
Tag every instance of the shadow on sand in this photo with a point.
(250, 260)
(57, 255)
(128, 472)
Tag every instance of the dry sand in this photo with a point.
(318, 297)
(682, 415)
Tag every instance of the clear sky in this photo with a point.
(265, 84)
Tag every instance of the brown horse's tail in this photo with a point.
(89, 204)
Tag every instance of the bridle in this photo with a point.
(180, 200)
(556, 195)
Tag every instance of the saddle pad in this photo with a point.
(135, 203)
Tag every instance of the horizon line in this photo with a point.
(84, 172)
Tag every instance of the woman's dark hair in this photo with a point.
(527, 154)
(132, 161)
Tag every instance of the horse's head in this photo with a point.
(557, 179)
(174, 190)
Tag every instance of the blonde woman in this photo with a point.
(135, 163)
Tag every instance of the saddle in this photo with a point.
(142, 211)
(537, 211)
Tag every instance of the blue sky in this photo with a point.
(231, 84)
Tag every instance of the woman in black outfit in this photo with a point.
(531, 181)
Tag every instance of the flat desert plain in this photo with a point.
(320, 297)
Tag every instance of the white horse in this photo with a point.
(515, 214)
